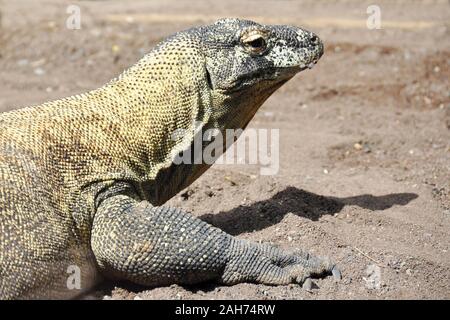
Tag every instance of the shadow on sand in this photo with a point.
(266, 213)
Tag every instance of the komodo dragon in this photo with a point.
(83, 179)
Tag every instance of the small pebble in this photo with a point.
(357, 146)
(115, 48)
(39, 71)
(38, 63)
(307, 285)
(51, 24)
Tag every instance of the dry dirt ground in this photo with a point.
(364, 137)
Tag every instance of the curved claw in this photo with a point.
(307, 284)
(336, 273)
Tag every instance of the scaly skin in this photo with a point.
(83, 179)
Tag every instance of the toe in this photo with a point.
(336, 273)
(307, 284)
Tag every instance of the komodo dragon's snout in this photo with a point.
(83, 180)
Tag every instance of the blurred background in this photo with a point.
(364, 136)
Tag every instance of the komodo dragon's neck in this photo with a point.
(121, 131)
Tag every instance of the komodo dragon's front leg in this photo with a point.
(238, 64)
(157, 246)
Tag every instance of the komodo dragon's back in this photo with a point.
(83, 179)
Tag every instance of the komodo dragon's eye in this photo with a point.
(254, 43)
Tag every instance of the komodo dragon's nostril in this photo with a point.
(314, 39)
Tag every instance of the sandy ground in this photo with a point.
(364, 137)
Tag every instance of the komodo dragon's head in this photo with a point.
(246, 62)
(242, 54)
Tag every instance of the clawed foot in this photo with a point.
(270, 265)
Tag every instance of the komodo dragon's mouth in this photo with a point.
(281, 75)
